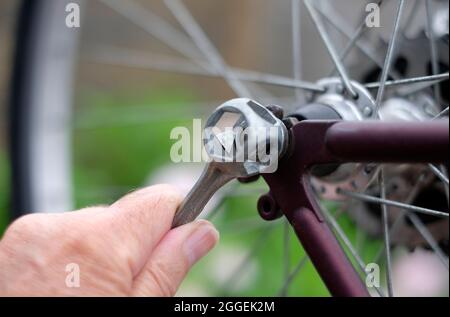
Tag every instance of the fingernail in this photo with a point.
(202, 239)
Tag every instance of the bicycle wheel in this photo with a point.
(40, 98)
(69, 85)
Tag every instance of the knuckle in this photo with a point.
(168, 190)
(28, 239)
(92, 210)
(167, 194)
(87, 240)
(159, 193)
(26, 225)
(82, 242)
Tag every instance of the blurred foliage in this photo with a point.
(118, 155)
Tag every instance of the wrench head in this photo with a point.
(246, 137)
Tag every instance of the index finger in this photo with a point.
(142, 218)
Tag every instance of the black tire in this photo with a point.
(19, 106)
(43, 60)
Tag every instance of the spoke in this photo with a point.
(407, 81)
(331, 50)
(337, 228)
(350, 45)
(285, 287)
(365, 47)
(155, 26)
(393, 230)
(438, 174)
(426, 234)
(130, 58)
(372, 199)
(387, 240)
(411, 90)
(418, 224)
(116, 56)
(389, 57)
(441, 114)
(290, 276)
(233, 190)
(353, 40)
(297, 46)
(276, 80)
(398, 220)
(433, 50)
(242, 226)
(257, 245)
(263, 95)
(443, 170)
(199, 37)
(286, 250)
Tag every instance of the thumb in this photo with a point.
(173, 257)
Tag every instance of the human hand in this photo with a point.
(126, 249)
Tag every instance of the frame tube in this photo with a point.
(327, 142)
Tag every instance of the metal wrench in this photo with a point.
(236, 139)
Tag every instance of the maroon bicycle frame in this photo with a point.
(327, 142)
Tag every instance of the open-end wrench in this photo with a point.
(242, 139)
